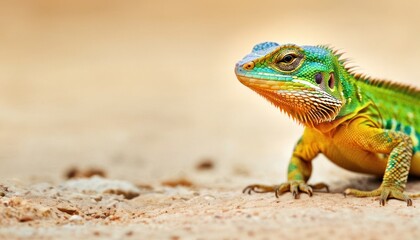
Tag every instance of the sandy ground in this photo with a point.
(144, 92)
(90, 208)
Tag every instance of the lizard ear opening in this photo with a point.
(331, 81)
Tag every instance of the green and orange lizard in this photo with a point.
(361, 124)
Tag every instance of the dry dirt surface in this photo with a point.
(123, 119)
(98, 208)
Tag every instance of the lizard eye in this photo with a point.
(288, 58)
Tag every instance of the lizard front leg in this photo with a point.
(399, 148)
(298, 173)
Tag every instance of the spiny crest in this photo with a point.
(381, 83)
(386, 84)
(336, 52)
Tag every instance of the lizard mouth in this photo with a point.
(302, 101)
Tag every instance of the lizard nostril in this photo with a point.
(248, 66)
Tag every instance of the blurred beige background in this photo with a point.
(146, 89)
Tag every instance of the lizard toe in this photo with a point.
(294, 186)
(258, 188)
(384, 194)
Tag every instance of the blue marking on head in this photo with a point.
(258, 51)
(264, 46)
(317, 54)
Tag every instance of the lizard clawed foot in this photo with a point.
(294, 187)
(384, 194)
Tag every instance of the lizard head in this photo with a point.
(302, 81)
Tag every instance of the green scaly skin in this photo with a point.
(361, 124)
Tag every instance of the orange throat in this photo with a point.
(304, 104)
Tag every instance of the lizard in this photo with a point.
(361, 124)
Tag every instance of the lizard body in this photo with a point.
(361, 124)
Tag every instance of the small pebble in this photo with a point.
(75, 218)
